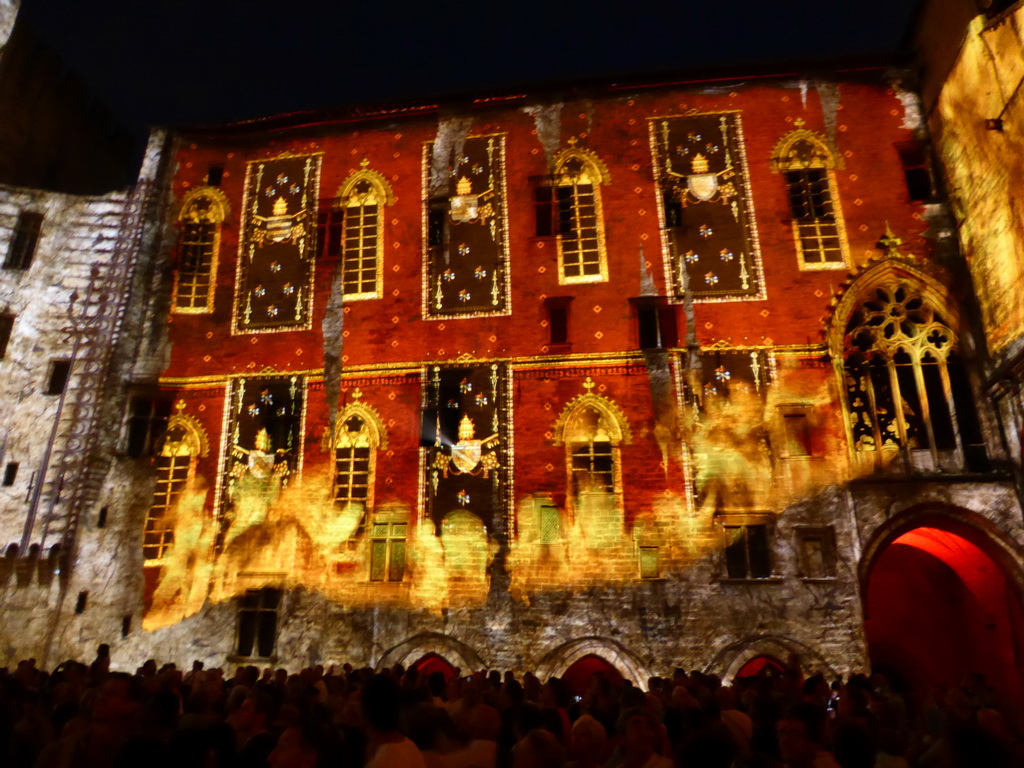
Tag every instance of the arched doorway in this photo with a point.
(581, 672)
(941, 600)
(430, 663)
(761, 665)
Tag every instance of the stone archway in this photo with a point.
(556, 661)
(455, 652)
(941, 589)
(731, 659)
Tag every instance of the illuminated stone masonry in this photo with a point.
(642, 375)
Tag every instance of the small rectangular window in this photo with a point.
(387, 551)
(6, 327)
(673, 209)
(550, 525)
(10, 473)
(60, 371)
(798, 434)
(546, 211)
(81, 602)
(916, 170)
(747, 553)
(656, 322)
(816, 552)
(257, 622)
(215, 175)
(24, 241)
(126, 625)
(649, 567)
(147, 422)
(437, 221)
(558, 319)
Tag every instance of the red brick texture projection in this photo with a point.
(531, 382)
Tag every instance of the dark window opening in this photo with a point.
(23, 244)
(329, 223)
(816, 552)
(747, 552)
(147, 424)
(673, 209)
(546, 211)
(101, 520)
(10, 473)
(6, 327)
(558, 318)
(975, 454)
(80, 603)
(437, 224)
(916, 171)
(656, 323)
(215, 175)
(257, 622)
(126, 625)
(60, 371)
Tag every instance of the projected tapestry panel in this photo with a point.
(278, 244)
(725, 372)
(710, 233)
(264, 439)
(467, 260)
(466, 418)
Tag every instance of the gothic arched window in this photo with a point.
(807, 165)
(362, 199)
(178, 451)
(359, 436)
(906, 388)
(574, 203)
(592, 429)
(200, 220)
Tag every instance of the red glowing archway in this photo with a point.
(759, 665)
(432, 662)
(578, 676)
(941, 601)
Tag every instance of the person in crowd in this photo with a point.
(388, 747)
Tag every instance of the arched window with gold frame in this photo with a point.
(359, 436)
(177, 453)
(592, 429)
(573, 200)
(361, 200)
(808, 167)
(202, 214)
(907, 391)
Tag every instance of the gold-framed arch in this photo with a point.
(355, 455)
(887, 272)
(376, 180)
(359, 210)
(219, 208)
(599, 173)
(194, 436)
(574, 197)
(610, 418)
(201, 216)
(376, 431)
(789, 155)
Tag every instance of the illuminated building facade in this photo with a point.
(656, 374)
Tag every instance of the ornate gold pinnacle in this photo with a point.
(588, 384)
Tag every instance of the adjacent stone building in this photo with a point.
(641, 376)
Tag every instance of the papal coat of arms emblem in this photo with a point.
(468, 456)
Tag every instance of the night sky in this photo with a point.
(183, 62)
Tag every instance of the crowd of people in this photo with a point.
(86, 716)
